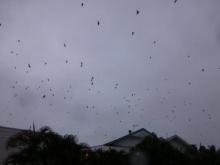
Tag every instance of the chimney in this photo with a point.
(129, 131)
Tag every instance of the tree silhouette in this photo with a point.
(43, 147)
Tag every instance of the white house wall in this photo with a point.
(128, 142)
(5, 133)
(141, 134)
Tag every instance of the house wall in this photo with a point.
(141, 134)
(128, 142)
(106, 148)
(5, 133)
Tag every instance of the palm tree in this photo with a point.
(66, 151)
(29, 146)
(43, 147)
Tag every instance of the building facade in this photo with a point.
(5, 133)
(126, 142)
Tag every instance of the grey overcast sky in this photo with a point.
(99, 69)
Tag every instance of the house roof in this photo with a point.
(132, 134)
(10, 128)
(178, 139)
(130, 140)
